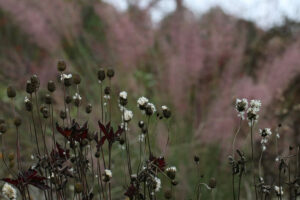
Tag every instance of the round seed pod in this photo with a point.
(11, 156)
(28, 106)
(11, 92)
(29, 87)
(110, 73)
(3, 128)
(35, 81)
(78, 187)
(68, 99)
(77, 102)
(76, 79)
(61, 65)
(122, 141)
(48, 99)
(17, 121)
(212, 183)
(51, 86)
(101, 74)
(107, 90)
(168, 194)
(97, 154)
(63, 115)
(88, 108)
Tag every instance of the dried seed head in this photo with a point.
(29, 87)
(11, 92)
(78, 187)
(68, 81)
(63, 115)
(167, 113)
(77, 102)
(3, 128)
(107, 90)
(46, 113)
(168, 194)
(35, 81)
(61, 65)
(17, 121)
(51, 86)
(122, 141)
(68, 99)
(110, 73)
(76, 79)
(212, 183)
(88, 108)
(101, 74)
(48, 99)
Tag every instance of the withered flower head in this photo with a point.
(101, 74)
(63, 115)
(3, 128)
(88, 108)
(35, 81)
(76, 79)
(110, 73)
(48, 99)
(29, 87)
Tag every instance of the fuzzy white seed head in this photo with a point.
(123, 95)
(108, 173)
(9, 192)
(128, 115)
(142, 101)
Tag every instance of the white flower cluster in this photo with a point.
(164, 108)
(152, 106)
(172, 169)
(65, 76)
(145, 106)
(123, 94)
(278, 190)
(157, 184)
(241, 106)
(265, 134)
(26, 99)
(128, 115)
(108, 173)
(142, 101)
(252, 112)
(77, 96)
(9, 192)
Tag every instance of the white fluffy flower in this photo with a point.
(26, 99)
(172, 169)
(108, 173)
(157, 184)
(77, 96)
(123, 95)
(265, 134)
(142, 101)
(65, 76)
(164, 108)
(9, 192)
(278, 190)
(152, 106)
(241, 106)
(128, 115)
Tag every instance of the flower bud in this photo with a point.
(48, 99)
(29, 87)
(167, 113)
(88, 108)
(61, 65)
(68, 99)
(196, 159)
(122, 141)
(174, 182)
(212, 183)
(17, 121)
(101, 74)
(35, 81)
(3, 128)
(77, 102)
(63, 115)
(11, 156)
(76, 79)
(68, 81)
(110, 73)
(28, 106)
(149, 110)
(123, 102)
(51, 86)
(11, 92)
(107, 90)
(141, 124)
(78, 187)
